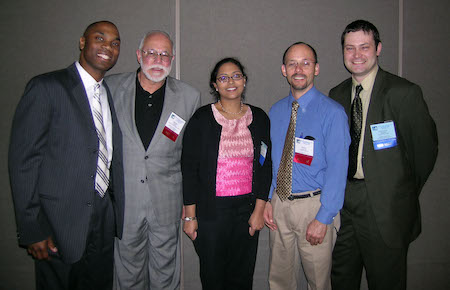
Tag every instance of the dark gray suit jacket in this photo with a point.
(53, 160)
(395, 176)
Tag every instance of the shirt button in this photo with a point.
(146, 157)
(89, 204)
(149, 105)
(142, 181)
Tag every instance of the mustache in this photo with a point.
(158, 66)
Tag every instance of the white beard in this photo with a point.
(146, 68)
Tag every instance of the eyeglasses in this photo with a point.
(304, 64)
(235, 77)
(153, 54)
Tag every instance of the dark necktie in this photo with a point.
(284, 176)
(355, 132)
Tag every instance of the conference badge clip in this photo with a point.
(173, 127)
(383, 135)
(304, 151)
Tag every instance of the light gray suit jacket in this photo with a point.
(152, 175)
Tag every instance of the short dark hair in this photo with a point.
(297, 43)
(214, 72)
(363, 25)
(90, 26)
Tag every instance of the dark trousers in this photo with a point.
(95, 269)
(359, 244)
(225, 248)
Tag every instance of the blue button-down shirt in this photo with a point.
(324, 120)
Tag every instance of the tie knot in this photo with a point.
(295, 105)
(358, 89)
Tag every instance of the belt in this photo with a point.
(352, 179)
(292, 197)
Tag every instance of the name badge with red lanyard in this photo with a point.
(173, 127)
(304, 151)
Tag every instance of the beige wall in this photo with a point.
(40, 36)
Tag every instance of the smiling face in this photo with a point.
(100, 48)
(300, 68)
(232, 89)
(360, 53)
(156, 69)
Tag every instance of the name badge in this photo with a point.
(383, 135)
(173, 126)
(263, 153)
(304, 151)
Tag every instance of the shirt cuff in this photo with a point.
(272, 188)
(324, 216)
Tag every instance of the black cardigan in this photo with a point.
(200, 153)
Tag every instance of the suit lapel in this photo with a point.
(347, 104)
(125, 107)
(115, 127)
(170, 102)
(375, 111)
(78, 93)
(376, 100)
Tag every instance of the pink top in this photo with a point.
(235, 159)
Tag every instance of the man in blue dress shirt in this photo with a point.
(303, 213)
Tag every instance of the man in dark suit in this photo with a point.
(65, 166)
(393, 151)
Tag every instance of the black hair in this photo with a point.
(363, 25)
(89, 27)
(214, 72)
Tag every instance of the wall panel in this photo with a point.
(427, 63)
(37, 37)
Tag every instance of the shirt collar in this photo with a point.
(88, 80)
(368, 81)
(304, 100)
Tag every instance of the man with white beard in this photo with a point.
(152, 110)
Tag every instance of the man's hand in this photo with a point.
(268, 218)
(40, 249)
(316, 232)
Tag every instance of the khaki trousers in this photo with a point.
(289, 247)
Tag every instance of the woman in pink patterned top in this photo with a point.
(226, 168)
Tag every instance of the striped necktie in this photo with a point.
(102, 175)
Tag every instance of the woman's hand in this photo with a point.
(256, 221)
(190, 228)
